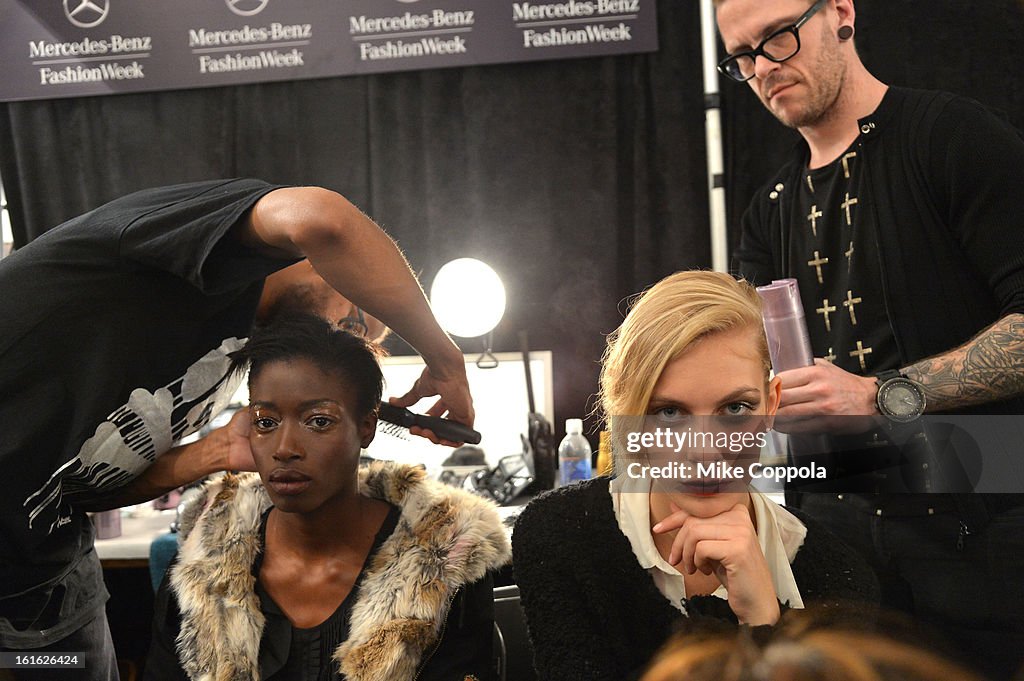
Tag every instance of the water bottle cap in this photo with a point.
(573, 426)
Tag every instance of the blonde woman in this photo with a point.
(609, 568)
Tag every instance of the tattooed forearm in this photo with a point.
(988, 368)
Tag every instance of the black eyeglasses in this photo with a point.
(781, 45)
(355, 325)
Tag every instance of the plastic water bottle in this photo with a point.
(573, 453)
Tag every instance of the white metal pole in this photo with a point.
(713, 138)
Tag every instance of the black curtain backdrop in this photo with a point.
(580, 181)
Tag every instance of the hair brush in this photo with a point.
(446, 429)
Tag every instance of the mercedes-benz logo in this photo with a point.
(246, 8)
(86, 13)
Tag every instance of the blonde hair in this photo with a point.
(801, 649)
(665, 321)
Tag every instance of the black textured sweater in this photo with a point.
(594, 613)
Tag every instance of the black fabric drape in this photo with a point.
(581, 181)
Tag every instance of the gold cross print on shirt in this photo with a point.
(830, 357)
(845, 205)
(825, 310)
(816, 264)
(859, 354)
(846, 163)
(812, 217)
(849, 257)
(810, 184)
(849, 304)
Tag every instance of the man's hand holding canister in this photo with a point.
(824, 398)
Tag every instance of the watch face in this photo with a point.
(901, 399)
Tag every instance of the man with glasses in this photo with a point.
(117, 330)
(899, 217)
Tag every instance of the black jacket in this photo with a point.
(944, 176)
(594, 613)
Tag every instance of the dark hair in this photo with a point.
(300, 335)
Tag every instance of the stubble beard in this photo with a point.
(821, 102)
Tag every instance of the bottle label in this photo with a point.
(573, 468)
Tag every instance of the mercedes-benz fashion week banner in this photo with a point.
(71, 48)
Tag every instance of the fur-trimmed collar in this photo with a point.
(401, 604)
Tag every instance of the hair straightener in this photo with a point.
(446, 429)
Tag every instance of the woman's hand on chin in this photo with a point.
(726, 545)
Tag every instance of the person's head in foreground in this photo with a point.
(801, 649)
(691, 362)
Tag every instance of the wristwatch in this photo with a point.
(899, 398)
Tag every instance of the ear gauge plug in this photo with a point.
(845, 32)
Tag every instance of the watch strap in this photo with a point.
(883, 376)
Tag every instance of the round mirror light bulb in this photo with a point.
(468, 297)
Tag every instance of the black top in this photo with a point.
(836, 266)
(942, 173)
(116, 328)
(594, 613)
(290, 653)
